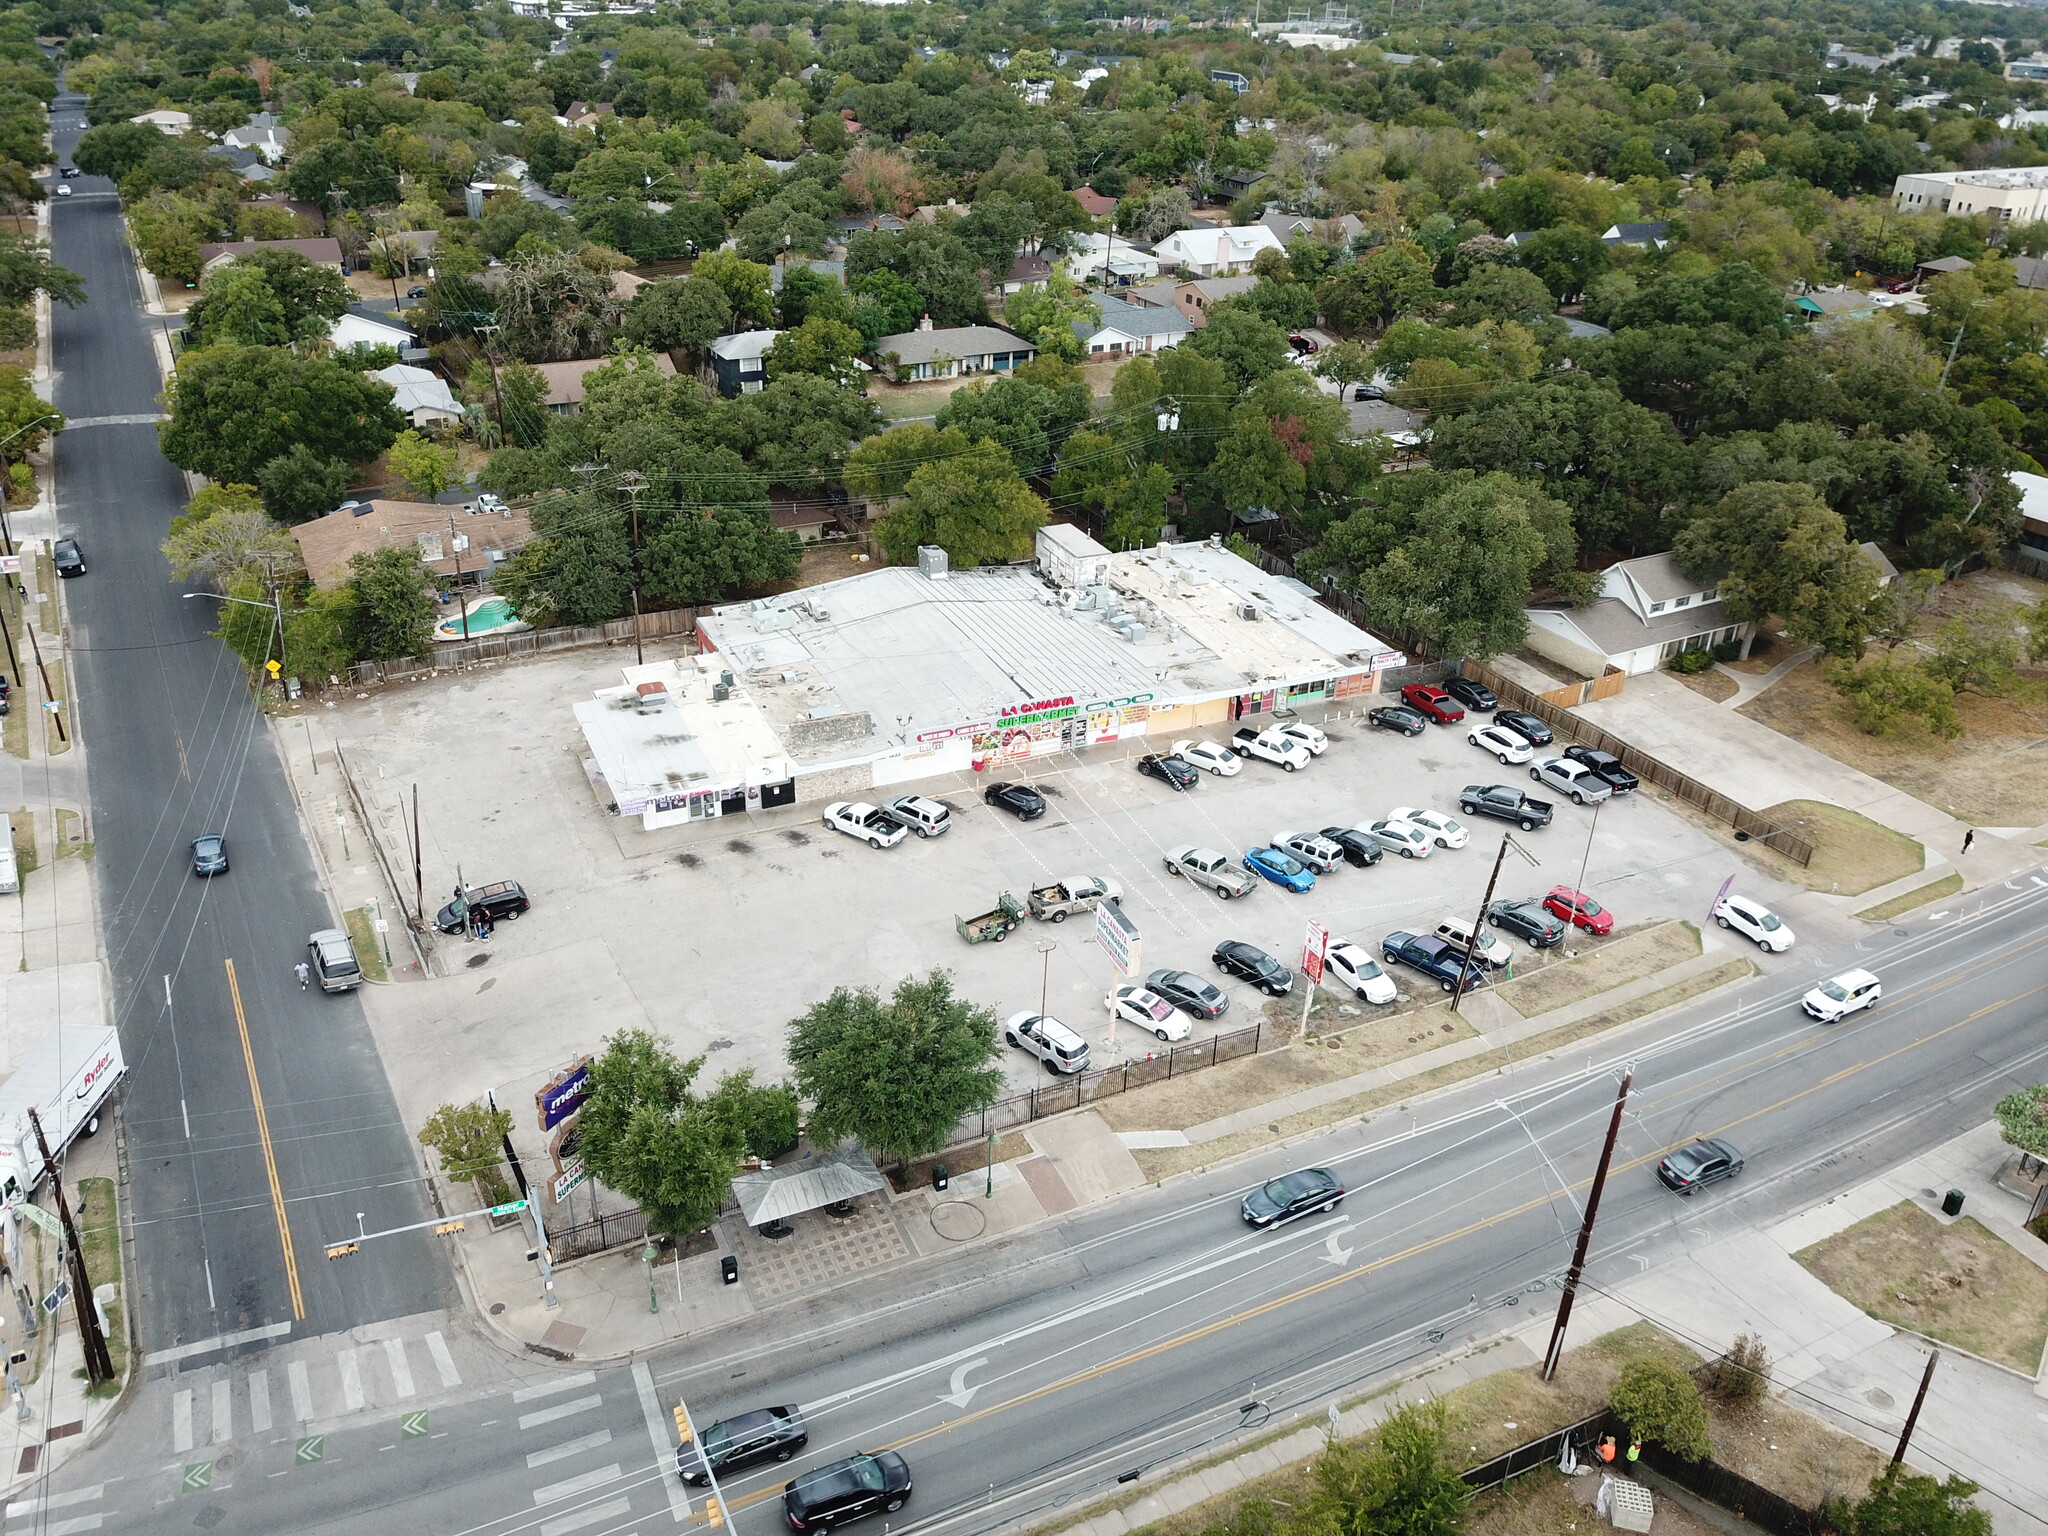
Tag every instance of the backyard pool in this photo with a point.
(487, 616)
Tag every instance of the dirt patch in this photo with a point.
(1712, 685)
(688, 860)
(1885, 911)
(1794, 1454)
(1613, 965)
(795, 838)
(1956, 1282)
(1547, 1503)
(1765, 652)
(1852, 854)
(1995, 774)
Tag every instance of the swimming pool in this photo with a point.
(487, 616)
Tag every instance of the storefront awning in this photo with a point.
(823, 1178)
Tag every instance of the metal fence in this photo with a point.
(1747, 823)
(607, 1230)
(1531, 1455)
(1086, 1087)
(526, 642)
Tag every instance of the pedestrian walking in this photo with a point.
(304, 972)
(1969, 837)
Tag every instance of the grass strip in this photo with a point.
(99, 1235)
(369, 949)
(1884, 911)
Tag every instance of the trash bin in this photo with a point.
(1952, 1203)
(729, 1267)
(938, 1175)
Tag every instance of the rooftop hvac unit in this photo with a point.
(726, 676)
(931, 562)
(720, 692)
(1248, 611)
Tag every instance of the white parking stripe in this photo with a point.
(72, 1526)
(583, 1482)
(259, 1402)
(569, 1448)
(401, 1368)
(302, 1392)
(443, 1361)
(550, 1388)
(559, 1411)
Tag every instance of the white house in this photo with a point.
(1648, 612)
(262, 133)
(1125, 262)
(166, 120)
(1217, 252)
(364, 328)
(424, 397)
(1127, 328)
(949, 352)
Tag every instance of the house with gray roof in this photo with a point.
(950, 352)
(1648, 611)
(1125, 329)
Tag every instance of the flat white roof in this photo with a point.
(685, 742)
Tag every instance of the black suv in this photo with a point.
(766, 1434)
(1528, 920)
(501, 902)
(1361, 849)
(872, 1482)
(1397, 717)
(1472, 695)
(1606, 767)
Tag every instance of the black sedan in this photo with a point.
(1247, 962)
(1397, 717)
(1189, 993)
(872, 1482)
(1472, 695)
(68, 557)
(1606, 767)
(1527, 920)
(210, 854)
(1702, 1163)
(1020, 800)
(1361, 849)
(1528, 727)
(1291, 1195)
(1174, 772)
(766, 1434)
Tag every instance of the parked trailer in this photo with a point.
(66, 1080)
(993, 925)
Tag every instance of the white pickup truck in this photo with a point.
(856, 818)
(1057, 902)
(1205, 866)
(1273, 745)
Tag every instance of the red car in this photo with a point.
(1433, 702)
(1579, 909)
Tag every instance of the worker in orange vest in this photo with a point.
(1607, 1449)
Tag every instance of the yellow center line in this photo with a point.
(284, 1226)
(1195, 1335)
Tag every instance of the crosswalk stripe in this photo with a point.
(48, 1501)
(401, 1368)
(302, 1392)
(351, 1380)
(609, 1510)
(569, 1448)
(181, 1421)
(223, 1411)
(550, 1388)
(583, 1482)
(72, 1526)
(559, 1411)
(443, 1361)
(259, 1402)
(658, 1437)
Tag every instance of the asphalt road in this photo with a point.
(177, 748)
(1137, 1331)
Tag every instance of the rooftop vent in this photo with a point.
(1248, 611)
(931, 562)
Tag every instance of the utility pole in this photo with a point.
(419, 884)
(1507, 841)
(632, 482)
(497, 394)
(50, 694)
(1571, 1281)
(1912, 1418)
(455, 546)
(99, 1365)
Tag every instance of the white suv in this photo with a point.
(1049, 1040)
(1754, 921)
(1840, 996)
(1491, 948)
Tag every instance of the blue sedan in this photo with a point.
(1280, 868)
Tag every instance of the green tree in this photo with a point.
(577, 569)
(1903, 1503)
(974, 505)
(394, 610)
(422, 463)
(1248, 347)
(644, 1133)
(1045, 315)
(1658, 1401)
(879, 470)
(554, 306)
(1976, 655)
(299, 485)
(268, 298)
(768, 1116)
(248, 625)
(1401, 1480)
(1778, 548)
(470, 1139)
(822, 347)
(1565, 257)
(27, 420)
(114, 149)
(706, 553)
(807, 294)
(26, 270)
(744, 284)
(2023, 1119)
(234, 409)
(233, 536)
(898, 1075)
(522, 392)
(1889, 694)
(1500, 293)
(1371, 294)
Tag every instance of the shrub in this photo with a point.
(1727, 650)
(2023, 1119)
(1658, 1401)
(1743, 1374)
(1692, 662)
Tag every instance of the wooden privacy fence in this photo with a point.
(1086, 1087)
(1747, 823)
(447, 655)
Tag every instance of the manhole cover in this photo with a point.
(476, 960)
(209, 1517)
(497, 1309)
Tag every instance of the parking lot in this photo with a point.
(716, 935)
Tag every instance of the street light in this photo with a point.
(275, 607)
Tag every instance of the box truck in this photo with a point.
(66, 1079)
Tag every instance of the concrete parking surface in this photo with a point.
(717, 935)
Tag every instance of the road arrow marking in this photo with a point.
(1335, 1252)
(412, 1425)
(197, 1476)
(962, 1394)
(310, 1449)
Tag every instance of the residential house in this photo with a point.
(836, 270)
(1653, 236)
(1835, 304)
(1128, 328)
(1026, 272)
(737, 365)
(423, 396)
(565, 380)
(926, 353)
(2032, 271)
(1231, 185)
(1941, 266)
(245, 163)
(361, 326)
(2031, 554)
(1290, 227)
(458, 544)
(1125, 261)
(1225, 252)
(929, 213)
(312, 220)
(1582, 330)
(805, 519)
(1093, 203)
(166, 120)
(324, 251)
(1648, 611)
(1887, 573)
(1192, 297)
(264, 133)
(1231, 78)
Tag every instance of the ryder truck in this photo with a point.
(66, 1079)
